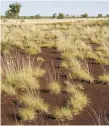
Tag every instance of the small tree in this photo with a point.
(54, 15)
(60, 16)
(99, 15)
(37, 16)
(14, 10)
(73, 16)
(84, 15)
(9, 14)
(67, 16)
(107, 15)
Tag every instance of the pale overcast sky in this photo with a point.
(31, 8)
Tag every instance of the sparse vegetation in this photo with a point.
(78, 45)
(13, 11)
(22, 78)
(104, 78)
(73, 88)
(55, 87)
(27, 114)
(34, 102)
(81, 74)
(63, 113)
(40, 59)
(78, 101)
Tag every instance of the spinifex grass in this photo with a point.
(78, 101)
(34, 102)
(74, 42)
(104, 78)
(27, 114)
(20, 75)
(55, 87)
(63, 113)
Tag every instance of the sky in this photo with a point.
(47, 8)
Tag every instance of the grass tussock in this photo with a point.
(40, 59)
(78, 102)
(55, 87)
(34, 102)
(20, 76)
(73, 88)
(104, 78)
(21, 80)
(80, 73)
(63, 113)
(27, 114)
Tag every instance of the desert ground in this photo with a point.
(55, 72)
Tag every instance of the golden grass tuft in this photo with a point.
(73, 88)
(20, 80)
(38, 72)
(8, 89)
(34, 102)
(104, 78)
(81, 74)
(32, 51)
(27, 114)
(40, 59)
(63, 113)
(55, 87)
(20, 75)
(78, 101)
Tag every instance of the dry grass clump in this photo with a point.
(63, 44)
(39, 72)
(74, 53)
(55, 87)
(102, 60)
(8, 89)
(5, 47)
(64, 64)
(78, 101)
(104, 78)
(73, 88)
(40, 59)
(63, 113)
(77, 71)
(48, 44)
(32, 50)
(27, 114)
(81, 74)
(21, 79)
(20, 75)
(70, 63)
(34, 102)
(102, 53)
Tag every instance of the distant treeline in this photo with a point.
(14, 10)
(57, 16)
